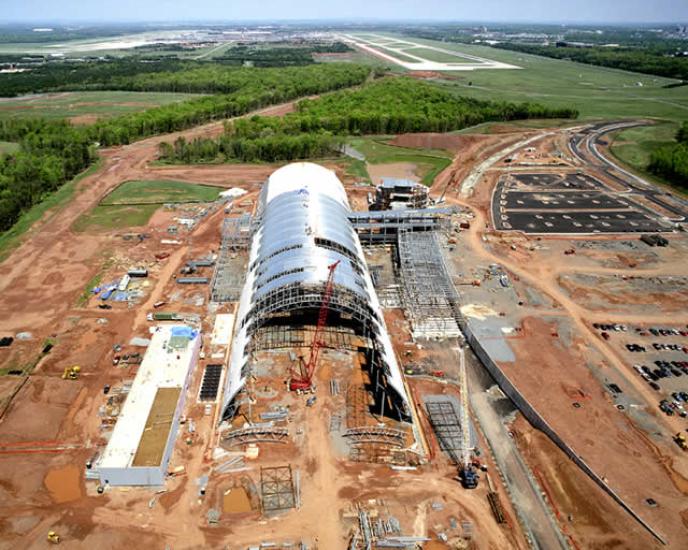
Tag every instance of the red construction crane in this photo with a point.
(304, 382)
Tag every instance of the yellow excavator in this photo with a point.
(53, 537)
(71, 373)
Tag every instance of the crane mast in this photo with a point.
(469, 478)
(305, 381)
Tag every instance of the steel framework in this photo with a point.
(277, 488)
(428, 293)
(304, 228)
(236, 235)
(445, 422)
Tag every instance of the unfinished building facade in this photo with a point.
(303, 227)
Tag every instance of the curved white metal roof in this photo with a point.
(304, 227)
(307, 176)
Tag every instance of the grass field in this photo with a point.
(8, 147)
(134, 202)
(434, 55)
(634, 146)
(86, 105)
(597, 92)
(159, 192)
(115, 216)
(11, 238)
(429, 163)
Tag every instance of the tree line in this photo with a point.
(162, 73)
(244, 90)
(671, 161)
(53, 152)
(387, 106)
(648, 61)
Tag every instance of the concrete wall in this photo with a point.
(149, 475)
(134, 475)
(541, 424)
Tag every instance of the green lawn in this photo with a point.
(115, 217)
(634, 146)
(8, 147)
(80, 104)
(434, 55)
(11, 238)
(160, 192)
(429, 162)
(134, 202)
(597, 92)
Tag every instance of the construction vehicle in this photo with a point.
(71, 373)
(681, 441)
(304, 382)
(467, 473)
(53, 537)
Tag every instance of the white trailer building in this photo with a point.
(139, 450)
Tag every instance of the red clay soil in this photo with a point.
(597, 431)
(583, 510)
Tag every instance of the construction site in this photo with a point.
(311, 362)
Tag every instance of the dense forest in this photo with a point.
(671, 162)
(53, 152)
(649, 61)
(243, 90)
(278, 55)
(388, 106)
(154, 73)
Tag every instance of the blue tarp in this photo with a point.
(186, 332)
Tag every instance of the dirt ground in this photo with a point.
(557, 350)
(53, 426)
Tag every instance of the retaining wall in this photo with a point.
(541, 424)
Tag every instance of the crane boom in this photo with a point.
(305, 381)
(468, 476)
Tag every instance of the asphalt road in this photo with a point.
(585, 144)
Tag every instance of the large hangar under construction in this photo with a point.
(303, 228)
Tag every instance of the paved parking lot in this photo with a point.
(659, 355)
(567, 203)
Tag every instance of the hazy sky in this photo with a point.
(447, 10)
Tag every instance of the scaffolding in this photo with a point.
(236, 236)
(383, 227)
(428, 293)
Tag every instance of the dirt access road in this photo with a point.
(39, 279)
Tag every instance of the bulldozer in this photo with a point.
(681, 441)
(53, 537)
(71, 373)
